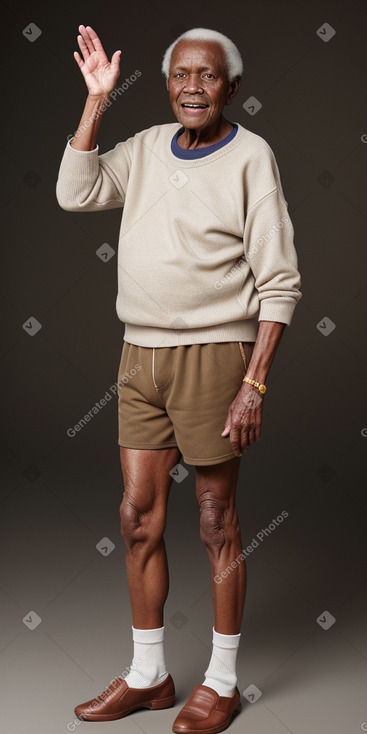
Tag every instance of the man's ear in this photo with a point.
(233, 89)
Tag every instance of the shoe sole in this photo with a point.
(211, 730)
(159, 703)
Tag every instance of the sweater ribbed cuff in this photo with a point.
(278, 309)
(83, 152)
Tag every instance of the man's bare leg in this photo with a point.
(221, 534)
(143, 518)
(143, 512)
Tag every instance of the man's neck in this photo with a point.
(192, 138)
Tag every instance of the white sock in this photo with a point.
(221, 672)
(148, 664)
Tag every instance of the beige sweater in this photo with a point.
(205, 247)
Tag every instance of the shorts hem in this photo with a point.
(134, 445)
(209, 462)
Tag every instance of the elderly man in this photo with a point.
(207, 282)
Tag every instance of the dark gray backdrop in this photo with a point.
(66, 619)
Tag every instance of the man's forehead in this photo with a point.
(197, 52)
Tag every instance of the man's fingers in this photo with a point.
(258, 433)
(87, 39)
(227, 423)
(116, 57)
(95, 39)
(78, 59)
(83, 47)
(251, 436)
(236, 440)
(115, 61)
(245, 439)
(90, 43)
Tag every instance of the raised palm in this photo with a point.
(99, 74)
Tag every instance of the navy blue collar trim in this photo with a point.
(199, 152)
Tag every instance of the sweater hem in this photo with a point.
(152, 336)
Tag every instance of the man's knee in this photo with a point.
(138, 526)
(218, 523)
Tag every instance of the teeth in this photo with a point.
(193, 105)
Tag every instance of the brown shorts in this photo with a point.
(179, 396)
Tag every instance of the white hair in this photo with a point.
(232, 55)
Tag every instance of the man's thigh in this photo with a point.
(218, 482)
(146, 476)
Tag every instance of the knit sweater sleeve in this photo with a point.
(88, 181)
(269, 249)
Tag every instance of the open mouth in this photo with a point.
(193, 107)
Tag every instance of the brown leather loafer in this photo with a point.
(118, 700)
(207, 712)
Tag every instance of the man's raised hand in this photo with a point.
(99, 74)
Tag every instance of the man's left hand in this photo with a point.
(244, 419)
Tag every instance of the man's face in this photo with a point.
(198, 76)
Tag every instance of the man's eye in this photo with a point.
(180, 73)
(208, 74)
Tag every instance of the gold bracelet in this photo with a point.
(259, 385)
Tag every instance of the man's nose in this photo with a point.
(193, 84)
